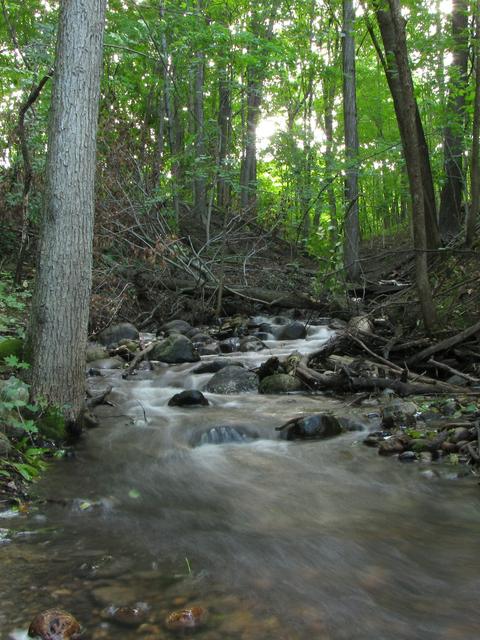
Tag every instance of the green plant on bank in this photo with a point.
(28, 430)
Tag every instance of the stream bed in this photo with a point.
(277, 540)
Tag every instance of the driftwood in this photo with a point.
(136, 360)
(346, 381)
(267, 297)
(452, 371)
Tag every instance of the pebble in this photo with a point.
(54, 624)
(186, 619)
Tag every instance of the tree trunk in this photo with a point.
(388, 62)
(200, 180)
(408, 112)
(451, 198)
(255, 77)
(473, 212)
(351, 225)
(171, 120)
(225, 133)
(60, 308)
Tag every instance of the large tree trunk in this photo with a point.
(388, 62)
(351, 249)
(473, 212)
(407, 111)
(60, 309)
(451, 198)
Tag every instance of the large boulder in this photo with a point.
(174, 350)
(280, 383)
(188, 398)
(233, 379)
(176, 326)
(112, 335)
(293, 331)
(316, 427)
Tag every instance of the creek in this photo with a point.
(277, 540)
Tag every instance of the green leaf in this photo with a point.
(133, 493)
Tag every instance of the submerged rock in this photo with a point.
(176, 349)
(224, 435)
(111, 336)
(318, 427)
(128, 616)
(216, 365)
(108, 363)
(186, 619)
(280, 383)
(54, 624)
(188, 398)
(229, 345)
(251, 343)
(233, 380)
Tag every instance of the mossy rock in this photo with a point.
(11, 347)
(52, 425)
(280, 383)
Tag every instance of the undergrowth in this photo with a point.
(30, 433)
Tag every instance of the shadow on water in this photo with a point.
(174, 507)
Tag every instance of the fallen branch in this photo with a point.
(444, 345)
(452, 371)
(136, 361)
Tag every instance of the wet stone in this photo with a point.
(188, 398)
(186, 619)
(54, 624)
(390, 447)
(407, 456)
(128, 616)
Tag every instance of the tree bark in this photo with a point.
(388, 62)
(407, 114)
(200, 180)
(255, 77)
(451, 198)
(351, 249)
(472, 216)
(225, 133)
(60, 308)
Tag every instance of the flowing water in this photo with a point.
(278, 540)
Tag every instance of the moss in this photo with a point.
(11, 347)
(52, 425)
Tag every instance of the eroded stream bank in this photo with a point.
(276, 539)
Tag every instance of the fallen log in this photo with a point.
(444, 345)
(349, 383)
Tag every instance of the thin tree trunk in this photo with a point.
(412, 151)
(351, 249)
(224, 132)
(200, 180)
(454, 147)
(388, 37)
(473, 212)
(255, 77)
(28, 172)
(60, 308)
(171, 120)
